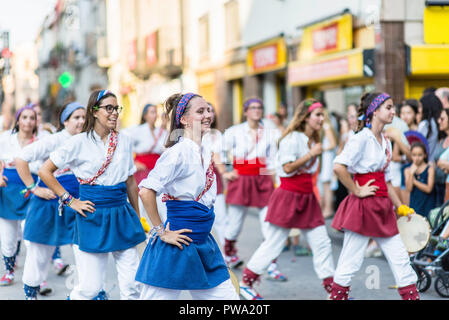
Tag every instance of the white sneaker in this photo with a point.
(248, 293)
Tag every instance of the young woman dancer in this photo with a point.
(13, 205)
(252, 180)
(102, 160)
(182, 254)
(369, 211)
(293, 204)
(46, 226)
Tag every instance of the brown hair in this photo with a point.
(170, 106)
(90, 119)
(365, 101)
(298, 122)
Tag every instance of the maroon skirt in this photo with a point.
(294, 205)
(372, 216)
(250, 191)
(219, 181)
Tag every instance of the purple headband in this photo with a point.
(27, 107)
(182, 104)
(376, 103)
(249, 101)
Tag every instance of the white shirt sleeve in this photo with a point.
(168, 167)
(352, 152)
(287, 148)
(67, 154)
(38, 150)
(227, 143)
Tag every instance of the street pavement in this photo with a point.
(370, 283)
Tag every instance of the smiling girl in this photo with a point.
(182, 254)
(369, 211)
(102, 161)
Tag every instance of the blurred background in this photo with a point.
(56, 51)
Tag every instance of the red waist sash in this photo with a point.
(379, 177)
(250, 167)
(300, 183)
(148, 159)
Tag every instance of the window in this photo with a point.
(232, 24)
(204, 36)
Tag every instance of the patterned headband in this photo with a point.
(376, 103)
(101, 94)
(181, 107)
(249, 101)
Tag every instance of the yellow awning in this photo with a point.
(428, 60)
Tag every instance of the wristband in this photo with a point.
(156, 231)
(65, 200)
(28, 190)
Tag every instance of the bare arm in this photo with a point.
(132, 190)
(176, 238)
(393, 196)
(360, 191)
(23, 169)
(290, 167)
(408, 179)
(46, 174)
(426, 187)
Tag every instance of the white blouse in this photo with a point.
(363, 154)
(85, 154)
(10, 148)
(143, 140)
(239, 141)
(292, 147)
(212, 141)
(41, 149)
(180, 173)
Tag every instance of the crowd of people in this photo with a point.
(92, 185)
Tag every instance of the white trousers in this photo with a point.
(9, 235)
(220, 221)
(274, 242)
(91, 268)
(224, 291)
(236, 218)
(37, 262)
(353, 253)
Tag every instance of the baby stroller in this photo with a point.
(432, 258)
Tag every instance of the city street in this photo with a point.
(302, 282)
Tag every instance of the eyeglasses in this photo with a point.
(110, 108)
(255, 108)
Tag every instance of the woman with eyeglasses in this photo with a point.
(13, 204)
(102, 160)
(47, 226)
(252, 180)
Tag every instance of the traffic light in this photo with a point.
(65, 80)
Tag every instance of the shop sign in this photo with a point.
(269, 56)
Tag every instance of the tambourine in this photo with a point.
(415, 232)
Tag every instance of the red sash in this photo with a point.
(299, 183)
(249, 167)
(148, 159)
(379, 176)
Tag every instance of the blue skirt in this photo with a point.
(198, 266)
(44, 225)
(114, 226)
(13, 205)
